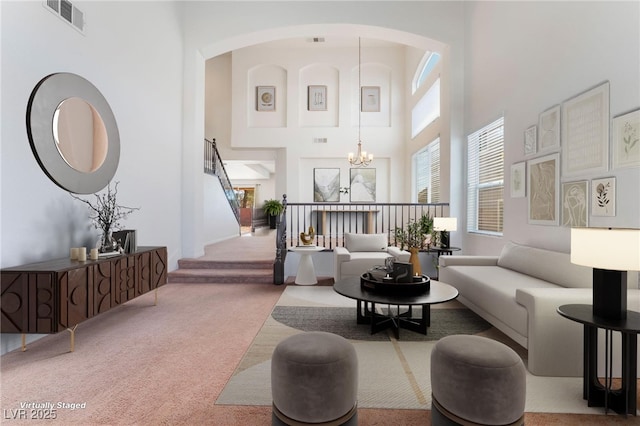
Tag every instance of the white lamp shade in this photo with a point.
(603, 248)
(445, 224)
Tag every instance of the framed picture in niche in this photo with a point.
(265, 98)
(370, 99)
(625, 143)
(603, 197)
(363, 185)
(543, 181)
(549, 129)
(530, 141)
(317, 98)
(326, 185)
(575, 203)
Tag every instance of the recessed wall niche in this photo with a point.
(267, 76)
(319, 75)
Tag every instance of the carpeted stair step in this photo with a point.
(224, 264)
(221, 276)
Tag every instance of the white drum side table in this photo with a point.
(306, 272)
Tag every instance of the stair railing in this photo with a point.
(213, 166)
(281, 244)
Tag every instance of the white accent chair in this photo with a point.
(362, 252)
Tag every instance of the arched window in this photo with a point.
(427, 64)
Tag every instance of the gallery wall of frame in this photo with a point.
(572, 156)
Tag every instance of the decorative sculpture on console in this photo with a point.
(307, 238)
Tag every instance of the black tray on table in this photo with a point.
(371, 283)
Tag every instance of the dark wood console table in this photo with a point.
(623, 400)
(48, 297)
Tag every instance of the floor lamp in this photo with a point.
(444, 225)
(611, 253)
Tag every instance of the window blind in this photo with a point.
(426, 168)
(485, 178)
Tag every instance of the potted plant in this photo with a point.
(272, 208)
(415, 236)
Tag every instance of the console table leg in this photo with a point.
(73, 336)
(155, 302)
(24, 342)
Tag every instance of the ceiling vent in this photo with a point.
(317, 40)
(66, 11)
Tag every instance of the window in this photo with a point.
(427, 64)
(426, 174)
(485, 179)
(426, 110)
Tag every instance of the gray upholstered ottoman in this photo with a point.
(476, 380)
(314, 380)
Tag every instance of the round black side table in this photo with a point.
(623, 400)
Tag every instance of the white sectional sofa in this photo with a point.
(519, 291)
(362, 252)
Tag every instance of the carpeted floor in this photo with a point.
(140, 364)
(394, 374)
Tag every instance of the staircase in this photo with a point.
(239, 260)
(222, 272)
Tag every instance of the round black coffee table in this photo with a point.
(366, 305)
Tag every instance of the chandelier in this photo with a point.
(361, 158)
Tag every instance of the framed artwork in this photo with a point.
(362, 185)
(549, 129)
(370, 99)
(317, 98)
(603, 197)
(518, 180)
(625, 143)
(575, 206)
(326, 185)
(585, 132)
(530, 141)
(543, 181)
(265, 98)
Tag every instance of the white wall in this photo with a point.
(137, 65)
(244, 24)
(524, 57)
(220, 222)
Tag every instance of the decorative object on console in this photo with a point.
(73, 133)
(445, 225)
(307, 239)
(106, 214)
(610, 266)
(361, 159)
(126, 239)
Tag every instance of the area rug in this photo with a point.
(393, 374)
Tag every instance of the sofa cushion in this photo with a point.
(493, 289)
(365, 242)
(362, 262)
(546, 265)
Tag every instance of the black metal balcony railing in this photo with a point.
(332, 220)
(213, 166)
